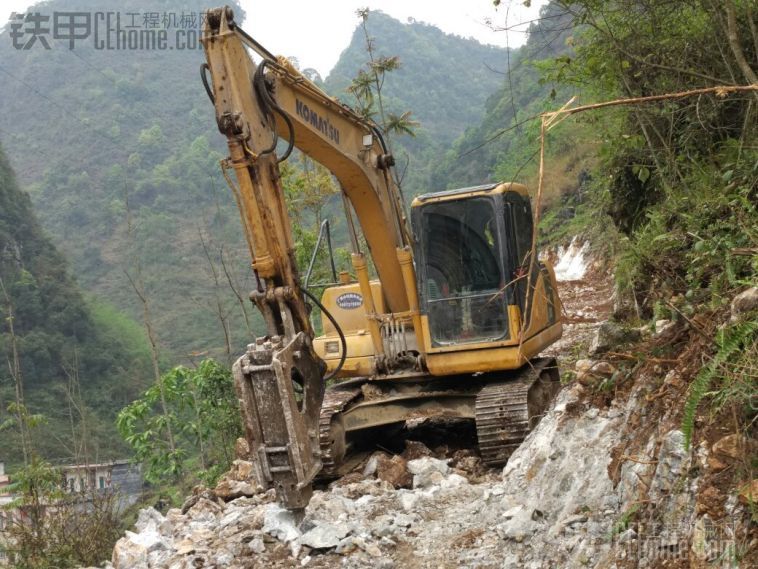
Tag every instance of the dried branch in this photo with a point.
(722, 91)
(734, 43)
(553, 118)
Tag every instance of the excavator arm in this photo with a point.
(280, 380)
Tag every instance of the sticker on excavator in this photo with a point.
(350, 300)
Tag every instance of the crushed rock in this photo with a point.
(553, 505)
(564, 499)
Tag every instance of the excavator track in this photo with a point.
(506, 411)
(331, 432)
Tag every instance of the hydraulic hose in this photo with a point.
(339, 331)
(259, 87)
(379, 136)
(268, 103)
(204, 78)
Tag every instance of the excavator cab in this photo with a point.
(471, 263)
(472, 248)
(472, 251)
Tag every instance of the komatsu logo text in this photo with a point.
(318, 122)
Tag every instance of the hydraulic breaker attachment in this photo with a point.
(280, 388)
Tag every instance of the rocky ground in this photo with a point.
(586, 291)
(601, 482)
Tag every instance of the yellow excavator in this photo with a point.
(450, 327)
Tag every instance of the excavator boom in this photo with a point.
(280, 380)
(281, 431)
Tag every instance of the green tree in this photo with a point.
(48, 527)
(202, 411)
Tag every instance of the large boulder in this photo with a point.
(325, 535)
(610, 334)
(149, 519)
(730, 446)
(280, 523)
(427, 471)
(743, 303)
(129, 555)
(133, 551)
(394, 471)
(390, 469)
(520, 522)
(589, 370)
(239, 481)
(416, 449)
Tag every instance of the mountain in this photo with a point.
(502, 145)
(78, 361)
(443, 79)
(120, 157)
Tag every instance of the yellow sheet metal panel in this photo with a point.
(354, 367)
(345, 303)
(329, 347)
(534, 345)
(472, 361)
(463, 193)
(491, 359)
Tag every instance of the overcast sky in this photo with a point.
(317, 32)
(317, 36)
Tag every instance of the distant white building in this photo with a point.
(5, 499)
(81, 477)
(119, 476)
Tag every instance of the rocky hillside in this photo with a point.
(604, 480)
(554, 505)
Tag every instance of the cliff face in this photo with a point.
(33, 271)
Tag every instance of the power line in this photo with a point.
(61, 107)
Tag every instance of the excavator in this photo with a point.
(446, 319)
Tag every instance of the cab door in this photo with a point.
(519, 228)
(517, 214)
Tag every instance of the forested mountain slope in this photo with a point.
(443, 79)
(75, 362)
(124, 172)
(502, 144)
